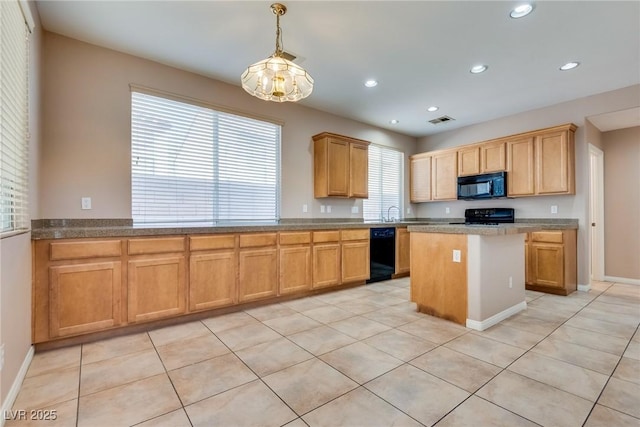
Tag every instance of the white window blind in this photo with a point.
(194, 164)
(14, 83)
(386, 172)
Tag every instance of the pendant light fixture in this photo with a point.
(276, 78)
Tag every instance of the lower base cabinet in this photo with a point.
(403, 251)
(212, 280)
(551, 264)
(355, 255)
(326, 265)
(258, 274)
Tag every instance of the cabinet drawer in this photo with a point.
(156, 246)
(298, 238)
(205, 243)
(359, 234)
(85, 249)
(257, 240)
(326, 236)
(547, 236)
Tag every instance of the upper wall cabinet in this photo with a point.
(486, 157)
(420, 178)
(433, 176)
(340, 166)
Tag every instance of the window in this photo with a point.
(386, 178)
(14, 83)
(190, 163)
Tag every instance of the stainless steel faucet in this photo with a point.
(389, 219)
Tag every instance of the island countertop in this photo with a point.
(518, 227)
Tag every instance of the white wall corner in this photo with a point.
(497, 318)
(7, 405)
(584, 288)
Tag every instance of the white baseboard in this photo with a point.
(622, 280)
(17, 383)
(584, 288)
(496, 318)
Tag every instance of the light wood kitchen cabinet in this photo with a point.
(341, 166)
(420, 178)
(213, 272)
(156, 278)
(520, 167)
(403, 251)
(444, 175)
(295, 262)
(326, 258)
(493, 157)
(77, 287)
(551, 261)
(355, 255)
(469, 160)
(258, 266)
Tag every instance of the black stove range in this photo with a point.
(488, 216)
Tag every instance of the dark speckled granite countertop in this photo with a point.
(88, 228)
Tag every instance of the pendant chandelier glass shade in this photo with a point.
(276, 78)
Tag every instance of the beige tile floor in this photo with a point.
(357, 357)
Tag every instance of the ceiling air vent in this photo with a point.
(442, 119)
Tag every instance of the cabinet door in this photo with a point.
(520, 168)
(469, 161)
(358, 171)
(552, 163)
(420, 179)
(326, 265)
(403, 253)
(493, 157)
(548, 265)
(295, 269)
(528, 263)
(84, 298)
(156, 288)
(212, 280)
(355, 261)
(258, 274)
(338, 167)
(444, 175)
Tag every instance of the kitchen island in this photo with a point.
(471, 275)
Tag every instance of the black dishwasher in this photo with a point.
(382, 254)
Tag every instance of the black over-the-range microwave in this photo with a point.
(485, 186)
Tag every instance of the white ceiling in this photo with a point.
(419, 51)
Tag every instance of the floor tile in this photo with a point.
(486, 349)
(418, 394)
(384, 299)
(475, 412)
(628, 370)
(304, 304)
(359, 327)
(590, 339)
(633, 350)
(181, 332)
(616, 309)
(602, 326)
(531, 324)
(356, 306)
(335, 297)
(399, 344)
(538, 402)
(229, 321)
(247, 336)
(252, 404)
(128, 404)
(321, 340)
(403, 294)
(359, 407)
(177, 418)
(63, 414)
(565, 376)
(589, 358)
(201, 380)
(360, 362)
(271, 311)
(512, 336)
(393, 317)
(296, 423)
(611, 316)
(456, 368)
(114, 347)
(602, 416)
(556, 316)
(292, 324)
(190, 351)
(327, 314)
(621, 396)
(309, 385)
(47, 389)
(273, 356)
(54, 360)
(436, 332)
(119, 370)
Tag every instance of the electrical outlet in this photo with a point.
(456, 255)
(510, 282)
(328, 208)
(354, 209)
(554, 209)
(408, 210)
(305, 208)
(1, 357)
(447, 210)
(321, 208)
(86, 203)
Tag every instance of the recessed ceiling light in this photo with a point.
(569, 66)
(394, 121)
(522, 10)
(432, 109)
(371, 83)
(477, 69)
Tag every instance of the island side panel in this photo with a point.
(438, 284)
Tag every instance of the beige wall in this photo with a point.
(15, 251)
(622, 203)
(86, 131)
(538, 207)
